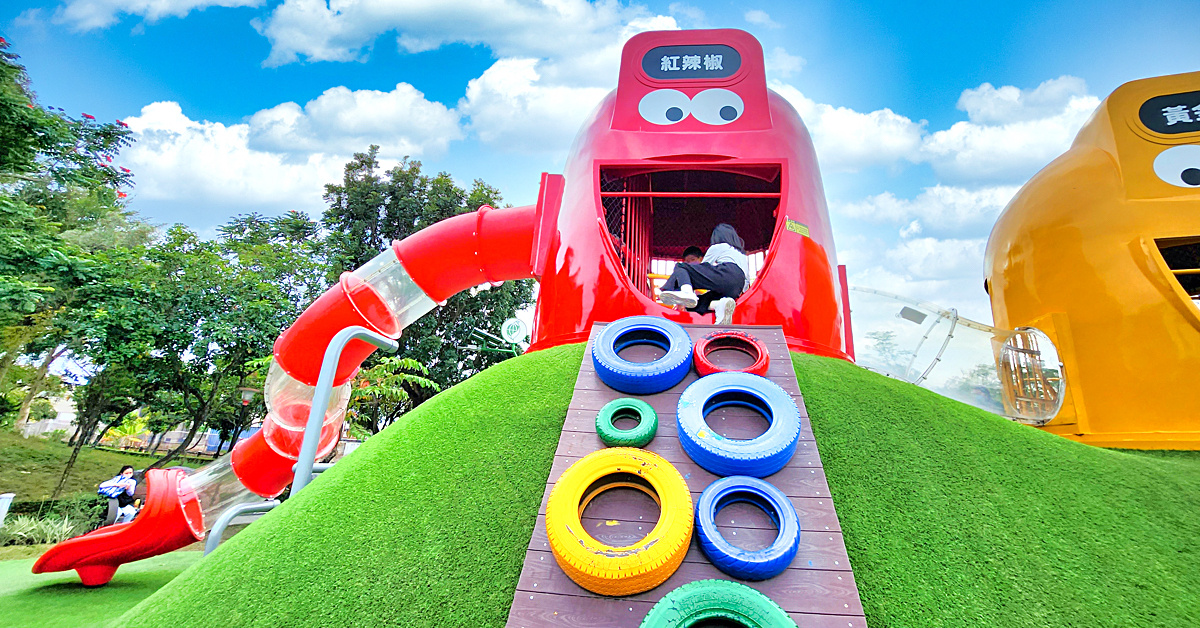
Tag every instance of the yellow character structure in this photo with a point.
(1101, 250)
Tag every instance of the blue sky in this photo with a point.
(926, 118)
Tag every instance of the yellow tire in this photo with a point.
(608, 570)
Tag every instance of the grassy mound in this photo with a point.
(953, 517)
(426, 524)
(956, 517)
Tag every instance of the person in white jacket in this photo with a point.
(723, 273)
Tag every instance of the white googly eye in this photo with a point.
(717, 106)
(1179, 166)
(664, 106)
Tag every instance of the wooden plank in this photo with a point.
(735, 422)
(793, 481)
(817, 589)
(795, 590)
(582, 443)
(818, 550)
(815, 513)
(539, 610)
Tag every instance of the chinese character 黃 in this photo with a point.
(691, 62)
(1178, 113)
(712, 62)
(670, 64)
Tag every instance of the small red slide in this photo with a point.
(171, 519)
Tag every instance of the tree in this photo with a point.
(368, 210)
(384, 392)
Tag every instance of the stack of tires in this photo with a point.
(742, 464)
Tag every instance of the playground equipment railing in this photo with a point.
(306, 465)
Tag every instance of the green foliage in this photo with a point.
(26, 530)
(387, 390)
(36, 142)
(370, 209)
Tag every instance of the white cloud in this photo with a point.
(340, 30)
(780, 63)
(85, 15)
(988, 105)
(510, 106)
(1010, 134)
(931, 258)
(694, 17)
(848, 141)
(939, 207)
(1011, 151)
(176, 158)
(342, 121)
(760, 17)
(948, 273)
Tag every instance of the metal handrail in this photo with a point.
(218, 529)
(324, 389)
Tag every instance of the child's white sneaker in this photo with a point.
(723, 310)
(684, 296)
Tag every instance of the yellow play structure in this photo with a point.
(1101, 251)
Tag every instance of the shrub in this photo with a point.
(27, 530)
(88, 510)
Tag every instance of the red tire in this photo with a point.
(730, 340)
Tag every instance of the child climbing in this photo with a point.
(723, 273)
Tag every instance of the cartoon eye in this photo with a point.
(717, 106)
(1179, 166)
(664, 106)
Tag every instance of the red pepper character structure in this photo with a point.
(691, 138)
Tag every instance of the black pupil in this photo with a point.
(674, 114)
(1191, 176)
(728, 113)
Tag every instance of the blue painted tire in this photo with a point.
(735, 561)
(758, 457)
(642, 378)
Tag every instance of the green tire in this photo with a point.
(708, 600)
(626, 408)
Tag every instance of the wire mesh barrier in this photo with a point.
(1014, 373)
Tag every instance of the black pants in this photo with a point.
(722, 280)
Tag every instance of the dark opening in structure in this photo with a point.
(1182, 256)
(653, 213)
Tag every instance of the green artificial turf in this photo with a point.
(956, 517)
(58, 601)
(952, 516)
(425, 524)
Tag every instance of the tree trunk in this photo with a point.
(179, 449)
(100, 436)
(88, 422)
(35, 386)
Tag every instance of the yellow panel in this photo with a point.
(1078, 253)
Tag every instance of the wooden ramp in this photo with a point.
(817, 591)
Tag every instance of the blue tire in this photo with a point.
(642, 378)
(733, 560)
(758, 457)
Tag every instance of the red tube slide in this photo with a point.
(385, 295)
(166, 523)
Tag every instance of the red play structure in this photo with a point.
(691, 138)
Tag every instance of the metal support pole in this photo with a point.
(218, 529)
(324, 388)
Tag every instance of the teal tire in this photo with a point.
(715, 600)
(626, 408)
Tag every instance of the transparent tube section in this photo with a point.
(383, 281)
(1014, 373)
(218, 489)
(289, 403)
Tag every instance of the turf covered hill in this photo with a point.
(952, 516)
